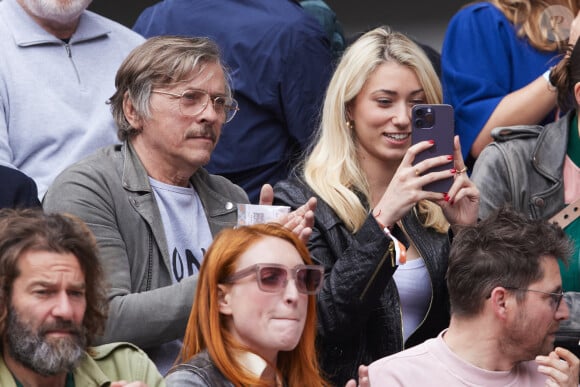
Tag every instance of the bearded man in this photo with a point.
(57, 71)
(53, 303)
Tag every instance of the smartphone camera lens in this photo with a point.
(419, 123)
(419, 112)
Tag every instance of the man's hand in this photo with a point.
(560, 366)
(300, 221)
(266, 195)
(363, 378)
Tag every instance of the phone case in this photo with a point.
(434, 122)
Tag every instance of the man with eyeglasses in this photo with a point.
(153, 208)
(505, 291)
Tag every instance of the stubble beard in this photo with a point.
(518, 341)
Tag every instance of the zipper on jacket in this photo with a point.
(390, 252)
(67, 47)
(149, 260)
(422, 254)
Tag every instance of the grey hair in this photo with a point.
(160, 61)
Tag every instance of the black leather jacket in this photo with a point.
(359, 315)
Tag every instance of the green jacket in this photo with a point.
(107, 363)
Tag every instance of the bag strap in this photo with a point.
(567, 215)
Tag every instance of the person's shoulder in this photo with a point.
(510, 143)
(294, 187)
(20, 189)
(482, 12)
(198, 371)
(482, 7)
(418, 351)
(402, 366)
(119, 349)
(100, 160)
(14, 175)
(117, 30)
(291, 19)
(102, 165)
(123, 361)
(510, 133)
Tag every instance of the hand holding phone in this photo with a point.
(434, 122)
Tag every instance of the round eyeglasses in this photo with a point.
(194, 101)
(273, 277)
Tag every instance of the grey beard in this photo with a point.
(54, 11)
(45, 357)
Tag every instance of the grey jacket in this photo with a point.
(524, 167)
(110, 191)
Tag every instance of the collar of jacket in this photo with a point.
(26, 32)
(551, 147)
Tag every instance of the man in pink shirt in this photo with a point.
(505, 292)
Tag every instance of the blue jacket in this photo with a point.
(280, 63)
(482, 61)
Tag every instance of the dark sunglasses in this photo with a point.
(273, 277)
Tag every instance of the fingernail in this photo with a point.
(449, 157)
(453, 171)
(431, 142)
(447, 198)
(451, 202)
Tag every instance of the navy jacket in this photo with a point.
(18, 190)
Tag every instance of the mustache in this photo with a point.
(60, 325)
(203, 131)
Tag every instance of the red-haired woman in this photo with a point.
(253, 320)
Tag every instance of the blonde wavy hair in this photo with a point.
(332, 169)
(532, 20)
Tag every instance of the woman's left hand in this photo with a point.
(461, 205)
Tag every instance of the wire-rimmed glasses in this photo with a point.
(194, 101)
(273, 277)
(555, 297)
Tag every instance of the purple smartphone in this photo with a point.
(434, 122)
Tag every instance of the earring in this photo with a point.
(350, 124)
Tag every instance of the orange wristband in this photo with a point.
(400, 250)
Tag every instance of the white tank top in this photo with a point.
(414, 286)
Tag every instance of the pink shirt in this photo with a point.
(571, 181)
(434, 364)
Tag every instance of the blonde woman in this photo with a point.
(496, 62)
(360, 169)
